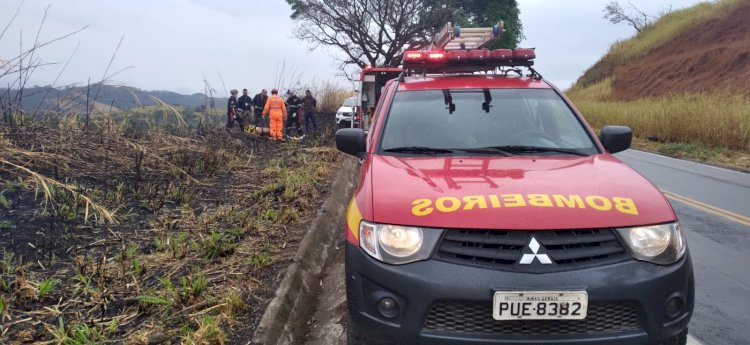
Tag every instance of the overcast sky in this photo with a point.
(172, 44)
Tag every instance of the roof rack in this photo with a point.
(453, 37)
(463, 50)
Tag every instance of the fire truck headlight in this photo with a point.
(400, 241)
(660, 244)
(396, 244)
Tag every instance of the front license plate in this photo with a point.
(540, 305)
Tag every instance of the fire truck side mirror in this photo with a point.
(351, 141)
(616, 138)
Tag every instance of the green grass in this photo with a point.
(4, 202)
(79, 335)
(153, 300)
(193, 286)
(6, 225)
(217, 245)
(260, 260)
(3, 306)
(47, 286)
(7, 264)
(693, 151)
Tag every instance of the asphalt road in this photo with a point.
(713, 205)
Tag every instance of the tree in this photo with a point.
(482, 13)
(376, 32)
(634, 17)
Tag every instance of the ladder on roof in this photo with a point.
(454, 37)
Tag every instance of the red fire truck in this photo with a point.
(489, 212)
(371, 82)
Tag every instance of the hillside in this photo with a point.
(682, 82)
(709, 56)
(706, 38)
(73, 99)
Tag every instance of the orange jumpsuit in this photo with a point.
(275, 109)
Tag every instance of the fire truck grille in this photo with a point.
(503, 250)
(476, 318)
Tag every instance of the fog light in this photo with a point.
(674, 306)
(388, 307)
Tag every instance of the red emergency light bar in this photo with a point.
(467, 61)
(502, 57)
(415, 56)
(436, 56)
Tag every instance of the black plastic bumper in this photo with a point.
(417, 286)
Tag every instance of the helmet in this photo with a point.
(275, 90)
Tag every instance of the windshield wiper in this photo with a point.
(529, 149)
(498, 150)
(418, 149)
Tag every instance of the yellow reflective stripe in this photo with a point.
(353, 217)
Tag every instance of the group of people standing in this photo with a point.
(271, 111)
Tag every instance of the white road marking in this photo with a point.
(689, 162)
(693, 341)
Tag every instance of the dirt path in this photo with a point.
(328, 325)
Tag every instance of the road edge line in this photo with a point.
(691, 340)
(706, 164)
(737, 218)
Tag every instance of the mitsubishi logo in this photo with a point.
(528, 259)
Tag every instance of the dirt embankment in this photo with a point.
(710, 56)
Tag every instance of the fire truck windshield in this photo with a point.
(495, 121)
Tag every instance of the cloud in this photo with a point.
(172, 44)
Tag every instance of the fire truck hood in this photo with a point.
(514, 193)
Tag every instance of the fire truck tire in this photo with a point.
(679, 339)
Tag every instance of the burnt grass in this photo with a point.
(204, 224)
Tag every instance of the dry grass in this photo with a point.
(714, 120)
(330, 96)
(207, 222)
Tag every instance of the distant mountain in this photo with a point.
(73, 99)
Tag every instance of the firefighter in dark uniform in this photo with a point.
(245, 107)
(232, 112)
(259, 101)
(293, 119)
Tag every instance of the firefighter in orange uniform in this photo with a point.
(275, 110)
